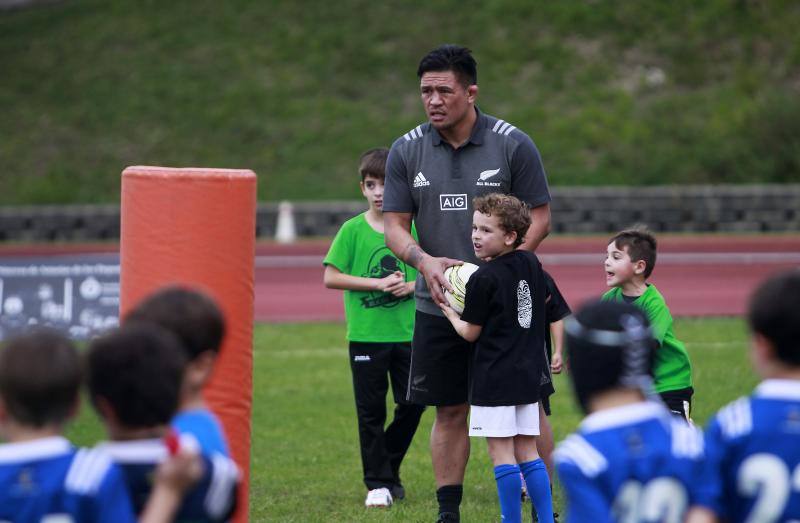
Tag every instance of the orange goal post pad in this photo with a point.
(196, 227)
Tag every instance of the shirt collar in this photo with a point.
(37, 449)
(475, 137)
(779, 389)
(624, 415)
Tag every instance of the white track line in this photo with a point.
(667, 258)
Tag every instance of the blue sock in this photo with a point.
(509, 486)
(538, 484)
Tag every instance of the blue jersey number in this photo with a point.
(767, 478)
(660, 499)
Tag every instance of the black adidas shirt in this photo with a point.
(506, 297)
(425, 176)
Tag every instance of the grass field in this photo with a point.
(305, 459)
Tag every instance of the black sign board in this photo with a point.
(77, 294)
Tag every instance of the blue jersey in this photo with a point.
(212, 499)
(206, 429)
(754, 444)
(50, 480)
(634, 463)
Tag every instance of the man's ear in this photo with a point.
(472, 93)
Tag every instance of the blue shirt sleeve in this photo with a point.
(112, 503)
(715, 455)
(585, 501)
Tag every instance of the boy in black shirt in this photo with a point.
(504, 315)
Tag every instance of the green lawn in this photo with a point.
(305, 459)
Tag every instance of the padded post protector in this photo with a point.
(196, 227)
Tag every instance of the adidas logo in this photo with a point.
(420, 180)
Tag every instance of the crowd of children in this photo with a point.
(155, 466)
(635, 457)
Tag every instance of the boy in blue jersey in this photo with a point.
(42, 476)
(630, 460)
(134, 378)
(504, 317)
(200, 325)
(754, 443)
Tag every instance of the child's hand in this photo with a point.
(404, 290)
(449, 311)
(180, 471)
(392, 283)
(557, 363)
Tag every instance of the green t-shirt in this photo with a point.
(372, 316)
(671, 369)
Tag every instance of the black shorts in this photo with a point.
(679, 402)
(440, 361)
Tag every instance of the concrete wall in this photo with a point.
(745, 208)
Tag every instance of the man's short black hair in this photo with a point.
(137, 369)
(40, 377)
(774, 312)
(450, 57)
(188, 313)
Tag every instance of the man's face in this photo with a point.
(446, 101)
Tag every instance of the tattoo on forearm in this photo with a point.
(413, 255)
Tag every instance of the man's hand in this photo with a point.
(432, 269)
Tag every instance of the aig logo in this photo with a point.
(453, 202)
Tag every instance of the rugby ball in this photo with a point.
(458, 275)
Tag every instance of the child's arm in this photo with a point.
(557, 337)
(173, 479)
(394, 283)
(468, 331)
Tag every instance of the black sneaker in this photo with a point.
(398, 492)
(448, 517)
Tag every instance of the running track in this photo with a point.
(698, 275)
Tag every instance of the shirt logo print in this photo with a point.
(420, 180)
(453, 202)
(524, 305)
(485, 175)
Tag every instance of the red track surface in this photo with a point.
(698, 275)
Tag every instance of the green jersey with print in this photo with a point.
(671, 369)
(372, 316)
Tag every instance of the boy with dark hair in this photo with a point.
(200, 325)
(42, 476)
(630, 259)
(379, 309)
(754, 442)
(504, 317)
(629, 460)
(134, 379)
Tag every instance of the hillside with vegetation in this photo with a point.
(637, 93)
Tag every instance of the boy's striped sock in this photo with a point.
(538, 489)
(508, 488)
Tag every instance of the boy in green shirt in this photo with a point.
(379, 309)
(630, 259)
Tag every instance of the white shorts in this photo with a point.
(504, 422)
